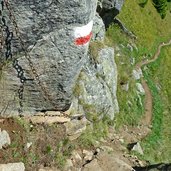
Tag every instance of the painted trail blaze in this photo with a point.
(83, 34)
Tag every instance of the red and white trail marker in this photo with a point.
(83, 34)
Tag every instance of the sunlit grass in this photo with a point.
(150, 30)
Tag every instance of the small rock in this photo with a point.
(137, 147)
(28, 145)
(39, 114)
(76, 158)
(121, 140)
(137, 74)
(68, 165)
(48, 119)
(98, 150)
(140, 88)
(12, 167)
(88, 155)
(74, 128)
(4, 138)
(141, 163)
(118, 54)
(53, 113)
(92, 166)
(125, 87)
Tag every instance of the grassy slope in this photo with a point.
(150, 29)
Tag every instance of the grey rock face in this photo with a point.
(109, 4)
(109, 9)
(96, 86)
(12, 167)
(98, 28)
(47, 29)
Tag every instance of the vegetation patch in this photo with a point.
(154, 140)
(93, 134)
(35, 145)
(150, 30)
(94, 49)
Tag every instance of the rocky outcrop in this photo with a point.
(49, 34)
(98, 29)
(47, 44)
(95, 91)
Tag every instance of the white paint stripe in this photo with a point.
(83, 30)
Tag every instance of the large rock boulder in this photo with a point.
(95, 91)
(50, 40)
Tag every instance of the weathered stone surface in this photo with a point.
(137, 74)
(47, 29)
(113, 162)
(137, 147)
(75, 127)
(75, 157)
(12, 167)
(68, 165)
(92, 166)
(95, 91)
(4, 138)
(125, 86)
(88, 155)
(98, 28)
(48, 119)
(140, 88)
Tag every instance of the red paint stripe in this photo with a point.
(83, 40)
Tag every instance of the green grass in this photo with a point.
(154, 140)
(162, 76)
(93, 133)
(131, 110)
(63, 152)
(150, 30)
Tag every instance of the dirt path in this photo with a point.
(134, 134)
(146, 121)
